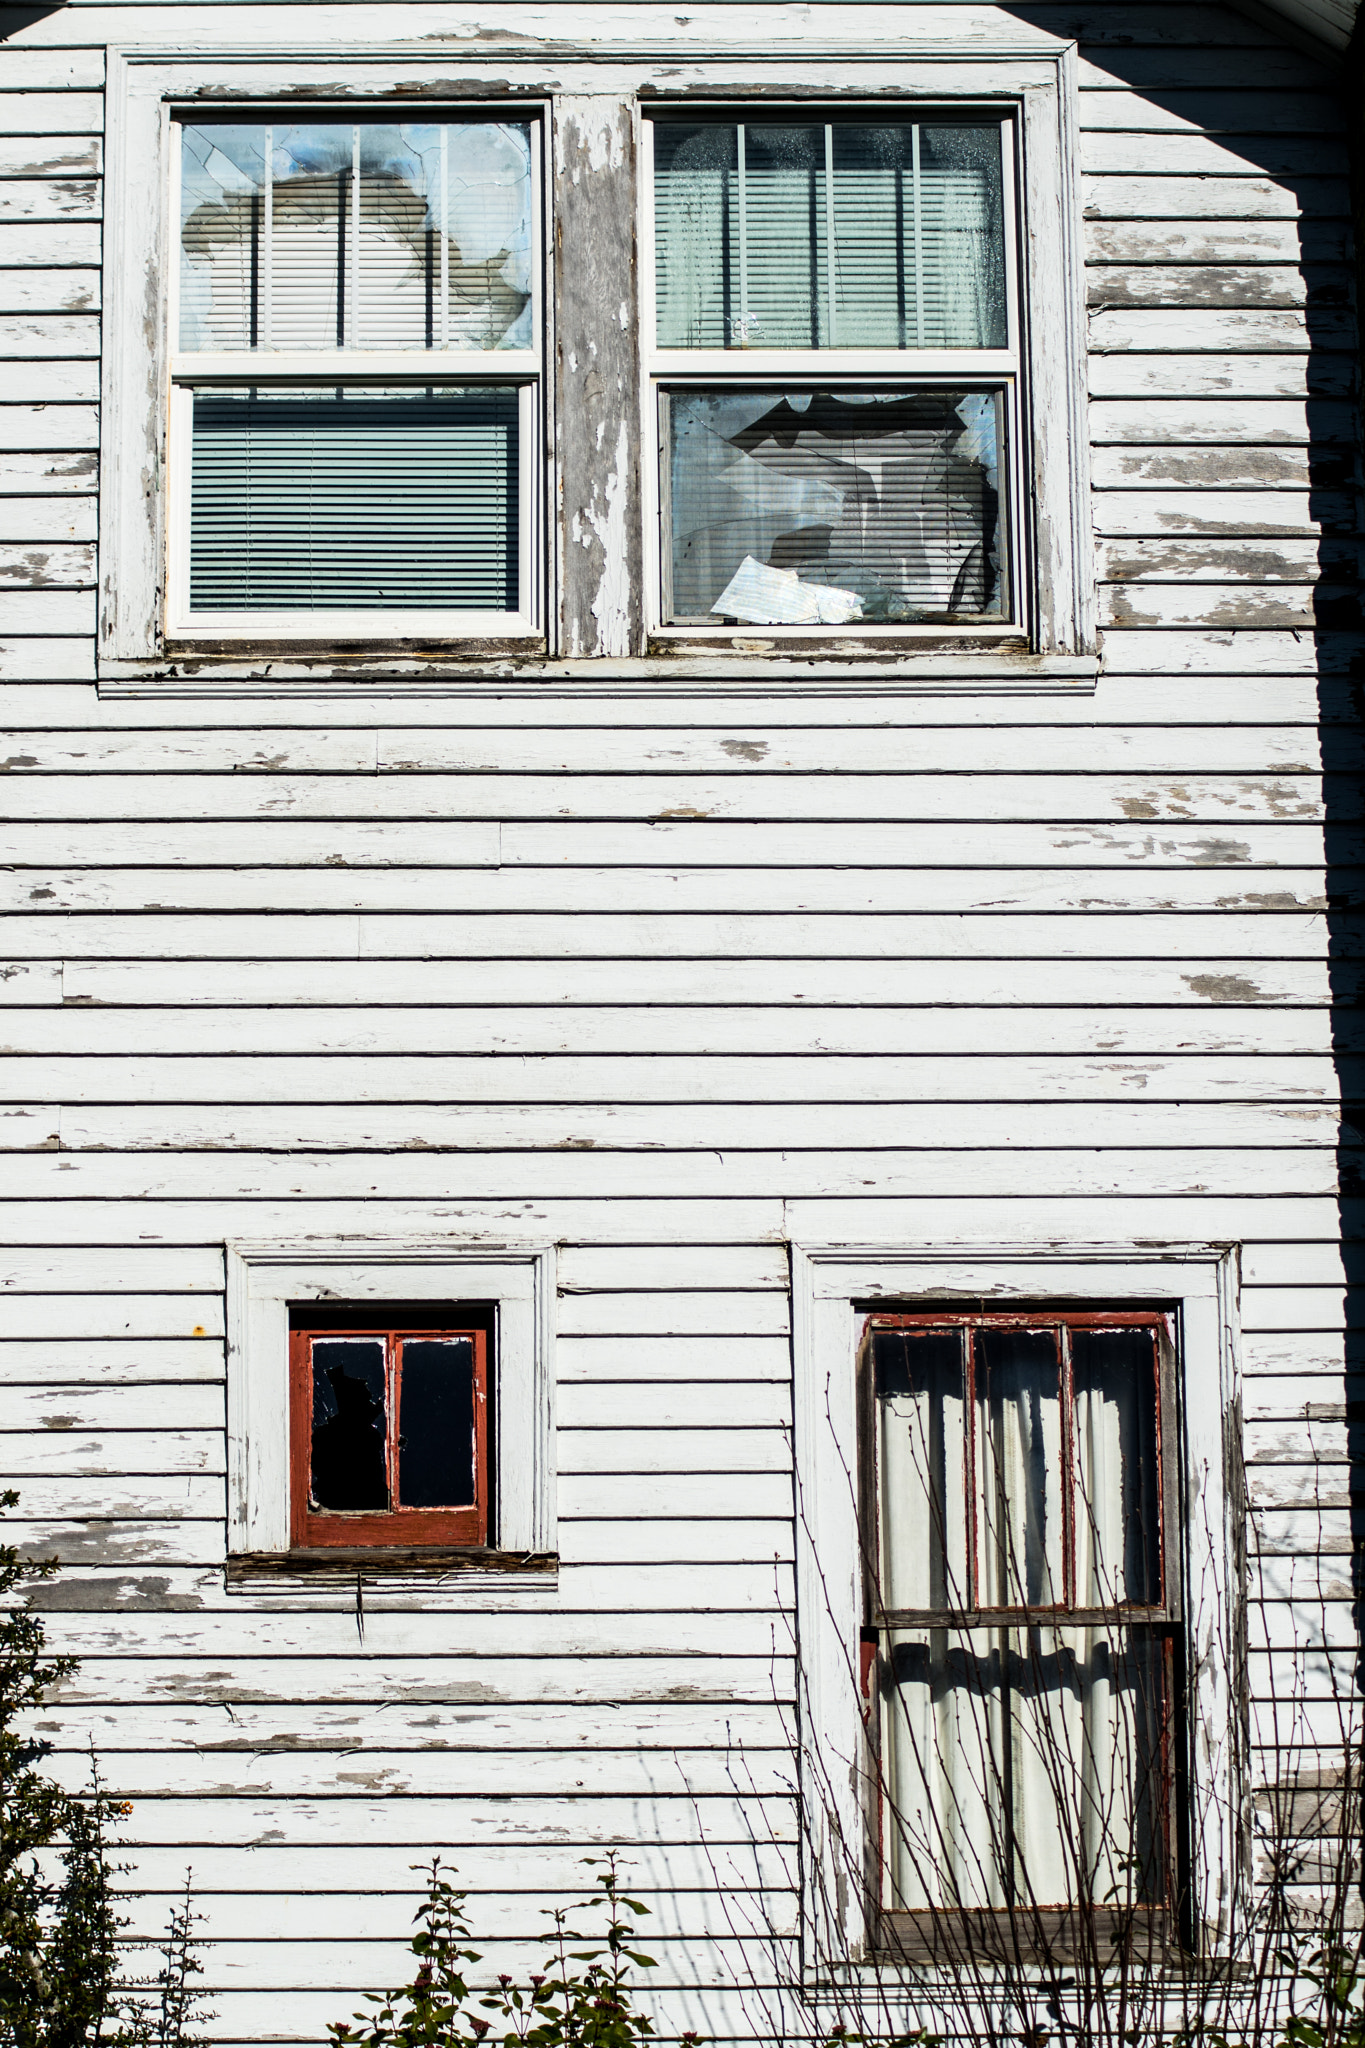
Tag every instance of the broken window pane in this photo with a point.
(829, 235)
(325, 235)
(349, 1443)
(832, 507)
(1118, 1509)
(436, 1423)
(354, 500)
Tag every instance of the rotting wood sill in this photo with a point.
(344, 1566)
(291, 673)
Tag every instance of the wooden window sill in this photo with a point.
(271, 1570)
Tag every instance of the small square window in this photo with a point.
(389, 1427)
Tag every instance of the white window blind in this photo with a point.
(354, 500)
(829, 235)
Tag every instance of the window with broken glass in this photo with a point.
(1022, 1608)
(389, 1431)
(834, 367)
(354, 366)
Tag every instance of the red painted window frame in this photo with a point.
(396, 1525)
(911, 1935)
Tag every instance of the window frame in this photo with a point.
(417, 369)
(919, 1934)
(996, 371)
(1045, 481)
(315, 1529)
(834, 1289)
(268, 1282)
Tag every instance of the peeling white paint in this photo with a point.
(611, 606)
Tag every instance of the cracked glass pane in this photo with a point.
(829, 235)
(832, 507)
(326, 235)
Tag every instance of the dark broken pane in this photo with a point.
(830, 507)
(348, 1464)
(436, 1423)
(1019, 1433)
(829, 235)
(1118, 1510)
(921, 1418)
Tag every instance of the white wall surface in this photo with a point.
(748, 968)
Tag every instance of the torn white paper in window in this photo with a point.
(763, 596)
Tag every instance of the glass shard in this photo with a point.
(349, 1467)
(881, 506)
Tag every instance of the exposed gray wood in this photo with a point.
(597, 377)
(34, 155)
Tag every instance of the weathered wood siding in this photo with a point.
(736, 970)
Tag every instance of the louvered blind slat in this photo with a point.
(363, 502)
(829, 235)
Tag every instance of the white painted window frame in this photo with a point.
(1045, 502)
(832, 1289)
(264, 1280)
(144, 517)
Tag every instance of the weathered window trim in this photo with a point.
(143, 630)
(832, 1289)
(1051, 505)
(595, 642)
(264, 1280)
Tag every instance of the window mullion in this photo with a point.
(268, 243)
(743, 202)
(393, 1391)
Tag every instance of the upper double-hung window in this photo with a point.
(835, 372)
(354, 376)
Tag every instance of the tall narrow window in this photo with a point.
(1023, 1596)
(389, 1432)
(355, 369)
(835, 361)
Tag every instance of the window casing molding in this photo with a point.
(147, 383)
(1041, 371)
(264, 1281)
(833, 1289)
(616, 657)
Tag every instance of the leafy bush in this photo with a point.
(582, 1998)
(62, 1976)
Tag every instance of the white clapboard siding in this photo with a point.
(667, 980)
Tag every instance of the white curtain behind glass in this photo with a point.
(1022, 1762)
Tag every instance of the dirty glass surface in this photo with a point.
(842, 234)
(436, 1423)
(1028, 1758)
(370, 235)
(350, 1423)
(352, 499)
(807, 507)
